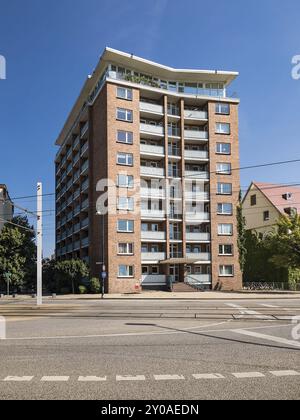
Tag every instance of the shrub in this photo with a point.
(95, 285)
(82, 289)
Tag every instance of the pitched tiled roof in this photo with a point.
(275, 194)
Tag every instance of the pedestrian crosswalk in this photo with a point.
(154, 377)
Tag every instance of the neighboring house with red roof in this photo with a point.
(264, 203)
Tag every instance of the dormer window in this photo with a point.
(291, 211)
(287, 196)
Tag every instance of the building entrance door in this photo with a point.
(174, 273)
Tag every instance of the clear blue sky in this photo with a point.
(51, 46)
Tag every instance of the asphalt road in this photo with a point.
(151, 350)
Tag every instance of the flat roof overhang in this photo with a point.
(175, 261)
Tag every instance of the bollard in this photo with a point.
(53, 295)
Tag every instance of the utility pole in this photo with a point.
(39, 243)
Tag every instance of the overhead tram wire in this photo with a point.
(17, 225)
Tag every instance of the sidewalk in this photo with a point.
(243, 295)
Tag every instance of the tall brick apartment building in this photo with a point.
(167, 141)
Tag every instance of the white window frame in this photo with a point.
(266, 219)
(222, 269)
(128, 137)
(221, 168)
(127, 226)
(124, 93)
(129, 183)
(128, 161)
(221, 108)
(224, 213)
(129, 248)
(220, 128)
(222, 231)
(220, 188)
(129, 269)
(126, 203)
(223, 253)
(128, 114)
(222, 152)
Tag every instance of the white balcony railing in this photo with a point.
(197, 236)
(152, 129)
(199, 256)
(152, 236)
(153, 193)
(154, 280)
(151, 108)
(197, 195)
(149, 171)
(195, 115)
(197, 174)
(152, 150)
(152, 214)
(195, 154)
(196, 135)
(153, 256)
(85, 242)
(197, 216)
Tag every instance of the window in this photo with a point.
(226, 270)
(125, 271)
(125, 249)
(126, 226)
(224, 168)
(224, 148)
(226, 250)
(223, 128)
(124, 93)
(145, 270)
(125, 159)
(155, 270)
(253, 200)
(225, 209)
(125, 181)
(124, 114)
(224, 189)
(225, 229)
(266, 216)
(223, 109)
(126, 203)
(125, 137)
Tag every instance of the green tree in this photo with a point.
(49, 273)
(12, 259)
(241, 226)
(69, 273)
(285, 242)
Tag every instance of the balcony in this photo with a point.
(151, 108)
(196, 196)
(84, 167)
(199, 256)
(76, 228)
(85, 223)
(84, 129)
(153, 256)
(154, 280)
(197, 236)
(197, 175)
(76, 143)
(195, 115)
(153, 236)
(153, 193)
(195, 135)
(157, 130)
(197, 217)
(152, 214)
(85, 242)
(84, 149)
(148, 149)
(85, 185)
(85, 204)
(195, 155)
(76, 245)
(152, 172)
(70, 248)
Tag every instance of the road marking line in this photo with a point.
(18, 378)
(270, 306)
(208, 376)
(55, 378)
(245, 311)
(268, 337)
(285, 373)
(168, 377)
(245, 375)
(91, 379)
(120, 378)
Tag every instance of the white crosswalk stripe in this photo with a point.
(285, 373)
(248, 375)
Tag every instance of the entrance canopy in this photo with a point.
(175, 261)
